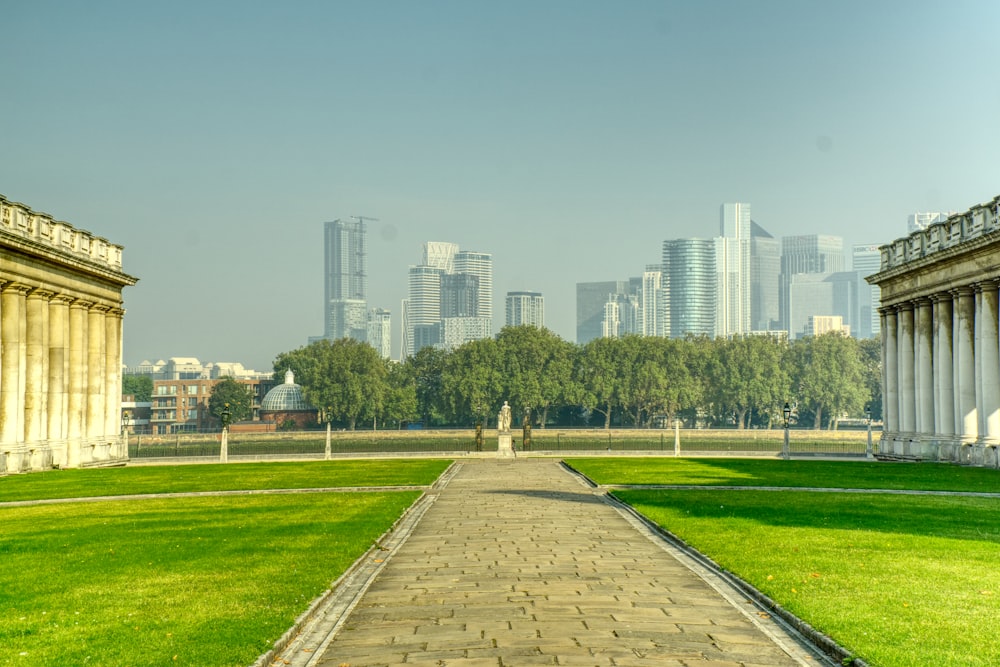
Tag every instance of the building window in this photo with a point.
(192, 390)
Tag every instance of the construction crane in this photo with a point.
(362, 218)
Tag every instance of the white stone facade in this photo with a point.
(60, 344)
(940, 345)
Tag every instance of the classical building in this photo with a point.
(940, 350)
(60, 344)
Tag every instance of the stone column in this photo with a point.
(965, 377)
(76, 402)
(943, 376)
(890, 398)
(58, 373)
(907, 390)
(12, 351)
(925, 375)
(96, 370)
(988, 354)
(36, 365)
(113, 370)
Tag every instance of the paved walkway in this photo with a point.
(520, 563)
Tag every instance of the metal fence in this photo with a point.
(312, 444)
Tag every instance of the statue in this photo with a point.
(503, 420)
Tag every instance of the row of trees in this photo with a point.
(631, 381)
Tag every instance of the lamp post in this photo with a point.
(326, 450)
(227, 417)
(869, 453)
(126, 419)
(786, 412)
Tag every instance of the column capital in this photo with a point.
(41, 293)
(16, 288)
(99, 308)
(62, 299)
(922, 301)
(964, 290)
(904, 306)
(82, 304)
(940, 297)
(116, 312)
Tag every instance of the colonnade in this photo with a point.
(60, 344)
(940, 320)
(60, 379)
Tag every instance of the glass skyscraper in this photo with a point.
(346, 280)
(690, 281)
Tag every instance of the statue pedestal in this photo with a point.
(505, 447)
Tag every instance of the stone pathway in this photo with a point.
(517, 562)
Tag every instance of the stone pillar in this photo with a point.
(113, 371)
(36, 375)
(58, 374)
(988, 354)
(96, 371)
(890, 398)
(12, 353)
(966, 418)
(925, 375)
(76, 401)
(907, 390)
(943, 376)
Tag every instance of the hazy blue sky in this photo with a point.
(568, 138)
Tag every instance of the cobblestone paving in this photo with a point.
(517, 563)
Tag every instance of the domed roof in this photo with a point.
(285, 397)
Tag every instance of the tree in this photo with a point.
(537, 368)
(871, 359)
(830, 376)
(471, 382)
(750, 375)
(140, 386)
(234, 393)
(401, 395)
(599, 370)
(345, 379)
(423, 372)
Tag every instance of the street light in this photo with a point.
(126, 419)
(786, 413)
(869, 452)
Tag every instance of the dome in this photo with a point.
(285, 397)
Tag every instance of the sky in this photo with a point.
(568, 138)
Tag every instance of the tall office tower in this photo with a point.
(652, 301)
(480, 265)
(820, 295)
(865, 261)
(917, 221)
(346, 285)
(405, 334)
(440, 255)
(689, 278)
(813, 253)
(423, 310)
(525, 308)
(459, 295)
(622, 315)
(590, 300)
(611, 322)
(732, 262)
(765, 266)
(380, 331)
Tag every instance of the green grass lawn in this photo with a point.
(899, 580)
(219, 477)
(770, 472)
(184, 581)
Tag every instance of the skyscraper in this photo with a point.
(590, 300)
(450, 298)
(346, 284)
(525, 308)
(812, 253)
(917, 221)
(732, 264)
(866, 260)
(480, 265)
(655, 321)
(765, 267)
(690, 281)
(380, 331)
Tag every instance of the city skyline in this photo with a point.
(567, 139)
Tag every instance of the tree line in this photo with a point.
(634, 381)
